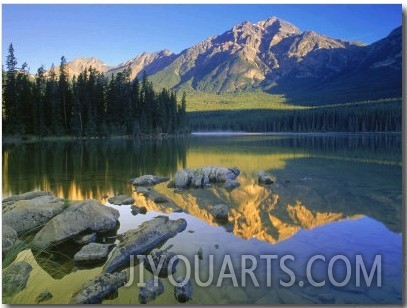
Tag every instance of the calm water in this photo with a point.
(334, 195)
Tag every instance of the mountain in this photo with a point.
(247, 57)
(151, 63)
(276, 57)
(75, 67)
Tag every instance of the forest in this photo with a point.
(51, 103)
(87, 105)
(383, 116)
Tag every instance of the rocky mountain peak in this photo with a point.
(259, 56)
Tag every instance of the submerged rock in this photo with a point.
(150, 291)
(148, 180)
(163, 201)
(265, 178)
(161, 258)
(160, 199)
(220, 212)
(30, 215)
(86, 216)
(93, 253)
(15, 277)
(183, 291)
(146, 237)
(43, 296)
(135, 210)
(121, 200)
(97, 289)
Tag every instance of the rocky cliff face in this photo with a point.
(262, 55)
(247, 56)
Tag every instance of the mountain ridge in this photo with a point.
(272, 55)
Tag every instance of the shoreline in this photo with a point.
(141, 137)
(29, 139)
(226, 133)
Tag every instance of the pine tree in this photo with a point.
(24, 93)
(9, 100)
(39, 101)
(63, 88)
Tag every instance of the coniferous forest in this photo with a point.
(90, 104)
(52, 103)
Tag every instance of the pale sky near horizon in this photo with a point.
(42, 33)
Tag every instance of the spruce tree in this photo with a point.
(63, 88)
(9, 100)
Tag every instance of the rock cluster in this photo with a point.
(202, 177)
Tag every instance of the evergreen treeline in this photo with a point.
(91, 104)
(369, 117)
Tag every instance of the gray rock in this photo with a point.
(15, 277)
(265, 179)
(160, 199)
(150, 291)
(231, 184)
(135, 210)
(145, 191)
(97, 289)
(93, 253)
(30, 215)
(235, 170)
(146, 237)
(148, 180)
(220, 212)
(86, 216)
(183, 178)
(9, 237)
(121, 200)
(26, 196)
(183, 291)
(201, 177)
(43, 296)
(200, 180)
(221, 174)
(85, 239)
(163, 259)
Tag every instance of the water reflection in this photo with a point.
(320, 179)
(82, 170)
(327, 191)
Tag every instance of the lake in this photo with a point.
(336, 201)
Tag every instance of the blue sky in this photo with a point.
(41, 34)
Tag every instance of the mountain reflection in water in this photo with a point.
(319, 178)
(333, 194)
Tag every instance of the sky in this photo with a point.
(42, 33)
